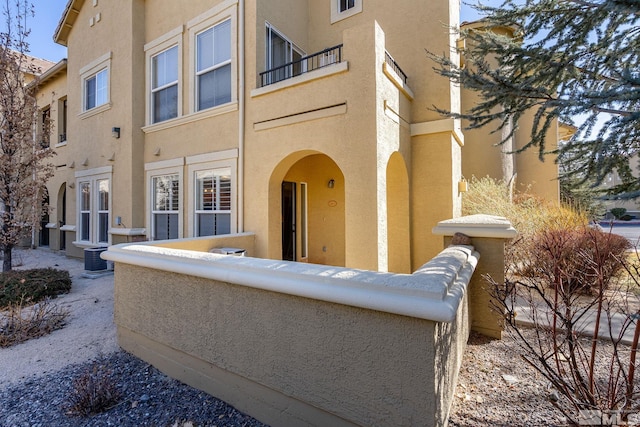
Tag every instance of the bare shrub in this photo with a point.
(94, 391)
(569, 278)
(19, 323)
(570, 286)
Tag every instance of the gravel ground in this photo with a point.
(497, 388)
(148, 398)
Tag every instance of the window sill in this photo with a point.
(320, 73)
(61, 144)
(193, 117)
(94, 111)
(68, 228)
(127, 231)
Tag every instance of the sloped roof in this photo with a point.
(69, 16)
(42, 65)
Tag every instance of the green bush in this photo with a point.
(32, 286)
(618, 213)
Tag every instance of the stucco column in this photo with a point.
(488, 236)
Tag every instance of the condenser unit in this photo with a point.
(92, 260)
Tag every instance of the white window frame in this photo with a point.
(100, 210)
(92, 178)
(291, 48)
(227, 10)
(167, 41)
(338, 15)
(158, 169)
(89, 71)
(221, 160)
(304, 221)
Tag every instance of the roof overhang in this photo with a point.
(69, 17)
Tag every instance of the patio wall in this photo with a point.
(300, 344)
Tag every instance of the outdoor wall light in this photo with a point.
(463, 186)
(331, 183)
(115, 132)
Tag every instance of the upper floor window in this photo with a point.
(346, 5)
(341, 9)
(62, 121)
(45, 122)
(96, 90)
(95, 85)
(164, 85)
(213, 66)
(164, 77)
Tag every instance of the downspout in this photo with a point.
(241, 113)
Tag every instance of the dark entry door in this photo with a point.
(289, 221)
(44, 220)
(63, 219)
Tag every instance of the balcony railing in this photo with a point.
(332, 55)
(395, 67)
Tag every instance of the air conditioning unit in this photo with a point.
(92, 260)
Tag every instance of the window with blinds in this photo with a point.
(213, 202)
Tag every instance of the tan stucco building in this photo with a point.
(484, 155)
(307, 123)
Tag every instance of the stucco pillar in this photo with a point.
(488, 235)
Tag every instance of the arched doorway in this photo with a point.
(310, 209)
(398, 219)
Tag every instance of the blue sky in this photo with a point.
(43, 25)
(49, 12)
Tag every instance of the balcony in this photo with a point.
(329, 56)
(395, 67)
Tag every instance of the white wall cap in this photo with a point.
(433, 293)
(478, 225)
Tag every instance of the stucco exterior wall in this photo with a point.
(292, 360)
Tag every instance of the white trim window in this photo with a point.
(164, 85)
(94, 206)
(342, 9)
(213, 202)
(85, 211)
(213, 66)
(212, 193)
(165, 207)
(213, 57)
(280, 51)
(96, 90)
(95, 85)
(164, 76)
(102, 185)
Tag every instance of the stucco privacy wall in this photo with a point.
(489, 234)
(299, 344)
